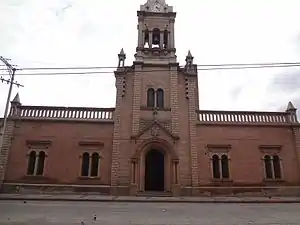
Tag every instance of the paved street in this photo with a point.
(116, 213)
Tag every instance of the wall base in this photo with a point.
(55, 189)
(275, 191)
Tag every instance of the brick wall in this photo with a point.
(136, 99)
(62, 164)
(246, 164)
(5, 151)
(192, 99)
(115, 162)
(296, 134)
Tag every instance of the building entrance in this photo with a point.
(155, 171)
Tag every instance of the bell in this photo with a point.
(156, 40)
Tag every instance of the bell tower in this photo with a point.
(156, 108)
(156, 42)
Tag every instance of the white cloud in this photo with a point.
(63, 33)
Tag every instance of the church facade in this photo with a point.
(156, 140)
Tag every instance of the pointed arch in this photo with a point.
(157, 143)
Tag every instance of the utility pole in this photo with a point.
(3, 154)
(11, 82)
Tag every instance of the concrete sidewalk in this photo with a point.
(103, 198)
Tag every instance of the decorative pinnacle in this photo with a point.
(122, 52)
(189, 55)
(291, 107)
(16, 99)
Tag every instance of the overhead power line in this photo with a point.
(203, 65)
(9, 81)
(202, 68)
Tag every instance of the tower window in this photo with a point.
(160, 98)
(150, 97)
(156, 37)
(166, 35)
(146, 40)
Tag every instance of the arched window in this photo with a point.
(85, 164)
(160, 98)
(268, 167)
(220, 166)
(216, 167)
(31, 163)
(146, 40)
(150, 97)
(166, 35)
(41, 163)
(95, 165)
(276, 167)
(225, 166)
(156, 37)
(90, 165)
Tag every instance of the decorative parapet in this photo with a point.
(62, 113)
(208, 117)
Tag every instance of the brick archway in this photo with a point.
(139, 163)
(162, 144)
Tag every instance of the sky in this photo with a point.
(70, 33)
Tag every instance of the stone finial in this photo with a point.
(122, 57)
(15, 105)
(16, 100)
(291, 107)
(189, 57)
(122, 53)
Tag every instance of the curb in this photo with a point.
(147, 200)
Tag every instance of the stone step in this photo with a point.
(155, 194)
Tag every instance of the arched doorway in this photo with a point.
(154, 171)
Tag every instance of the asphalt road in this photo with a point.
(65, 213)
